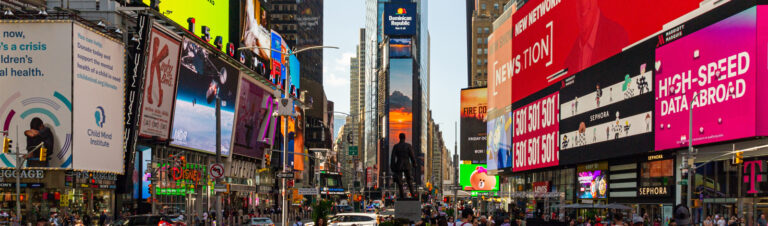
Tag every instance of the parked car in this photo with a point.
(149, 220)
(260, 221)
(343, 209)
(358, 219)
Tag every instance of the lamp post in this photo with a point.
(284, 219)
(691, 155)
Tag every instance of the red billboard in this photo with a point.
(535, 134)
(555, 39)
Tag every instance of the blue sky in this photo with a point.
(342, 22)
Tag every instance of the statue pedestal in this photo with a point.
(409, 209)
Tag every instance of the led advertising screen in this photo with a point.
(712, 74)
(159, 85)
(499, 140)
(295, 71)
(555, 39)
(202, 77)
(536, 133)
(400, 48)
(474, 177)
(32, 87)
(253, 32)
(593, 184)
(400, 18)
(473, 136)
(99, 88)
(400, 100)
(254, 119)
(145, 161)
(608, 105)
(500, 66)
(210, 13)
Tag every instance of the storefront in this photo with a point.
(539, 194)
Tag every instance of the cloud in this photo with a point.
(336, 75)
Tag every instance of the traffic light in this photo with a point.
(738, 158)
(43, 153)
(267, 159)
(7, 143)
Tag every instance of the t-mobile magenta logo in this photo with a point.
(753, 175)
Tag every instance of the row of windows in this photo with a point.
(281, 7)
(483, 30)
(482, 51)
(482, 61)
(495, 6)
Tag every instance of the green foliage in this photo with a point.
(321, 210)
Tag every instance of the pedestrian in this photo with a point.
(708, 221)
(298, 222)
(205, 217)
(762, 221)
(103, 218)
(618, 219)
(720, 220)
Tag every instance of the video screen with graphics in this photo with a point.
(400, 47)
(212, 14)
(593, 184)
(474, 106)
(255, 124)
(203, 78)
(474, 177)
(400, 100)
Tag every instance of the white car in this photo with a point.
(358, 219)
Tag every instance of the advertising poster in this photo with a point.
(762, 50)
(536, 134)
(254, 119)
(277, 58)
(310, 21)
(400, 100)
(555, 39)
(400, 18)
(399, 47)
(202, 77)
(145, 161)
(608, 105)
(593, 184)
(295, 66)
(209, 13)
(253, 32)
(159, 85)
(713, 75)
(31, 86)
(500, 67)
(499, 140)
(474, 177)
(473, 136)
(99, 87)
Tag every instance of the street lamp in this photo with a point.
(284, 219)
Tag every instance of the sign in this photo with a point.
(220, 188)
(654, 191)
(211, 18)
(608, 105)
(159, 85)
(400, 98)
(254, 125)
(499, 142)
(535, 134)
(593, 184)
(456, 188)
(500, 65)
(203, 76)
(216, 171)
(25, 174)
(133, 80)
(307, 191)
(400, 18)
(541, 187)
(473, 128)
(285, 175)
(474, 177)
(555, 39)
(720, 70)
(94, 175)
(352, 150)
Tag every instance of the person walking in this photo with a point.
(762, 221)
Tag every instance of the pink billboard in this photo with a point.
(712, 72)
(536, 129)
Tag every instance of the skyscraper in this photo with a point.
(483, 15)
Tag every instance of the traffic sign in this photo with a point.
(455, 187)
(352, 150)
(216, 171)
(286, 175)
(221, 188)
(307, 191)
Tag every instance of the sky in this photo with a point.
(342, 22)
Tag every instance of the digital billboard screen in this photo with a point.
(713, 75)
(555, 39)
(593, 184)
(535, 133)
(399, 47)
(209, 13)
(202, 76)
(254, 32)
(499, 139)
(254, 119)
(400, 100)
(474, 177)
(400, 18)
(500, 66)
(473, 136)
(608, 105)
(159, 85)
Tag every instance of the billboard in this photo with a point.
(159, 85)
(400, 18)
(713, 75)
(310, 21)
(295, 78)
(400, 48)
(209, 13)
(555, 39)
(593, 184)
(500, 66)
(608, 105)
(474, 177)
(535, 131)
(499, 140)
(99, 85)
(254, 32)
(201, 77)
(400, 100)
(31, 86)
(254, 119)
(473, 136)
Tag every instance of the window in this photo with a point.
(479, 51)
(486, 30)
(479, 40)
(479, 30)
(482, 6)
(485, 61)
(479, 61)
(496, 6)
(485, 51)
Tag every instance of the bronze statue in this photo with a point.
(403, 160)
